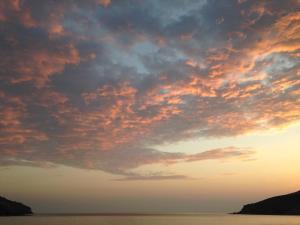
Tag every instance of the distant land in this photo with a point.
(11, 208)
(280, 205)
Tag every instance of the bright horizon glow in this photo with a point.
(69, 190)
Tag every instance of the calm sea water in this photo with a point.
(211, 219)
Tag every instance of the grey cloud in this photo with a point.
(95, 87)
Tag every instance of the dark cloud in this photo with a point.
(95, 84)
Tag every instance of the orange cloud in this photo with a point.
(38, 66)
(14, 8)
(12, 128)
(77, 88)
(104, 3)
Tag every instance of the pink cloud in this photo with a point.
(74, 90)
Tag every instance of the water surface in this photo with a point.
(201, 219)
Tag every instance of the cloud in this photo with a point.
(124, 161)
(28, 64)
(97, 84)
(153, 177)
(105, 3)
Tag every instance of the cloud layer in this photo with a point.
(96, 84)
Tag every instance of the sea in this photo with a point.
(182, 219)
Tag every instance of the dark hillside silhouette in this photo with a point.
(11, 208)
(280, 205)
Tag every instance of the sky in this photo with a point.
(148, 105)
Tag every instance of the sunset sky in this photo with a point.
(148, 105)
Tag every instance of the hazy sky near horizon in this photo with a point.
(148, 105)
